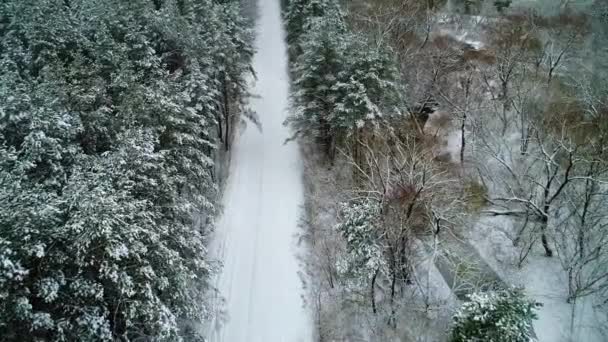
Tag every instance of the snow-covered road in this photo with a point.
(256, 236)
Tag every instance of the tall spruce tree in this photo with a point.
(317, 71)
(341, 84)
(301, 17)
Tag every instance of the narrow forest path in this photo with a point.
(256, 237)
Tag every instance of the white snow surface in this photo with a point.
(544, 281)
(256, 237)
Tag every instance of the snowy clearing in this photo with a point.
(257, 236)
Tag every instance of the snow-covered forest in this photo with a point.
(114, 117)
(304, 170)
(455, 167)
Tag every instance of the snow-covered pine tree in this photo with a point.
(366, 87)
(499, 316)
(341, 83)
(364, 260)
(225, 36)
(316, 73)
(300, 17)
(234, 58)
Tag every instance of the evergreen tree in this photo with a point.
(341, 84)
(317, 71)
(359, 225)
(366, 87)
(500, 316)
(301, 17)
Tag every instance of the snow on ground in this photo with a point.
(260, 282)
(453, 144)
(431, 282)
(543, 278)
(466, 29)
(449, 139)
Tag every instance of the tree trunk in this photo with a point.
(571, 285)
(332, 150)
(403, 267)
(393, 269)
(319, 322)
(525, 140)
(589, 189)
(550, 76)
(372, 291)
(505, 105)
(462, 138)
(220, 126)
(543, 237)
(391, 320)
(226, 114)
(356, 151)
(330, 272)
(326, 140)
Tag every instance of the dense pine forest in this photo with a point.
(113, 115)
